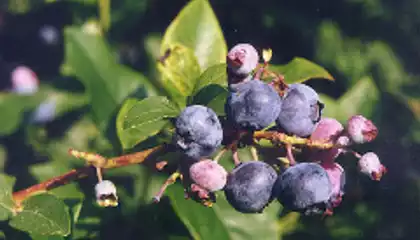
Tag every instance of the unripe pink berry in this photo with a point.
(242, 58)
(361, 129)
(24, 81)
(370, 165)
(328, 130)
(208, 174)
(338, 179)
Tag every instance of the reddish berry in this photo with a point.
(208, 174)
(361, 130)
(370, 165)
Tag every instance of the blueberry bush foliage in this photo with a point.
(118, 152)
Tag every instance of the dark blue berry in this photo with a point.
(198, 132)
(304, 187)
(301, 110)
(252, 105)
(249, 186)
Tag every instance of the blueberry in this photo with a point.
(242, 59)
(45, 112)
(370, 165)
(49, 35)
(249, 186)
(252, 105)
(328, 130)
(301, 110)
(208, 174)
(198, 132)
(304, 187)
(337, 177)
(361, 129)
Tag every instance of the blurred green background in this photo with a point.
(371, 47)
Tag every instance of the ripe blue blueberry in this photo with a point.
(252, 105)
(304, 187)
(301, 110)
(198, 132)
(249, 186)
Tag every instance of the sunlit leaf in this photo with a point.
(179, 72)
(197, 27)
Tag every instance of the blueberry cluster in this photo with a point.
(315, 186)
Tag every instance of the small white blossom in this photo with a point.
(106, 194)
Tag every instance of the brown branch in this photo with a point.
(277, 137)
(76, 174)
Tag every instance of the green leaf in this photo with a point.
(202, 222)
(6, 199)
(3, 157)
(42, 237)
(300, 69)
(215, 74)
(362, 98)
(222, 221)
(179, 72)
(197, 27)
(13, 107)
(139, 120)
(43, 214)
(107, 83)
(213, 96)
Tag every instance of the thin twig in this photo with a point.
(290, 156)
(254, 153)
(76, 174)
(171, 180)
